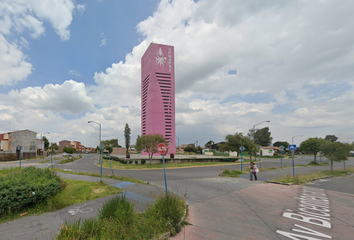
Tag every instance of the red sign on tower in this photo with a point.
(161, 148)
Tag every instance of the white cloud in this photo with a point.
(13, 64)
(70, 97)
(286, 51)
(81, 7)
(74, 72)
(278, 48)
(103, 39)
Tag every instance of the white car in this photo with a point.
(65, 154)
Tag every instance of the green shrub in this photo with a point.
(130, 161)
(118, 220)
(143, 161)
(136, 162)
(229, 160)
(26, 188)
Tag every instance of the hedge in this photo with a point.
(27, 188)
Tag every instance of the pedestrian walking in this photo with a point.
(253, 171)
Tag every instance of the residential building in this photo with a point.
(75, 144)
(269, 151)
(11, 142)
(158, 93)
(64, 143)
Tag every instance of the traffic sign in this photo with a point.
(242, 148)
(281, 147)
(161, 148)
(292, 147)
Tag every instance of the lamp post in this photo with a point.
(254, 128)
(42, 140)
(178, 143)
(292, 143)
(99, 139)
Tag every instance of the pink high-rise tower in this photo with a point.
(158, 93)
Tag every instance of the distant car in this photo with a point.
(66, 154)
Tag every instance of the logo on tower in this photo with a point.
(160, 59)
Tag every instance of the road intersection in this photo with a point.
(235, 208)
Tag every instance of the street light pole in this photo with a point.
(99, 138)
(254, 128)
(292, 143)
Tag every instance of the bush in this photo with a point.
(136, 162)
(143, 161)
(130, 161)
(228, 159)
(118, 220)
(27, 188)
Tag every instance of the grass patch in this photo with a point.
(70, 192)
(118, 165)
(301, 179)
(70, 159)
(118, 220)
(234, 173)
(126, 179)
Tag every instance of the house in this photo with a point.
(75, 144)
(269, 151)
(11, 142)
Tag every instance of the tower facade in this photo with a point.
(158, 93)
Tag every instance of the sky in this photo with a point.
(237, 63)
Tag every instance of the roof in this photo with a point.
(275, 148)
(19, 131)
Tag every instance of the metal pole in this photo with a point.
(259, 160)
(293, 165)
(20, 156)
(281, 158)
(51, 158)
(111, 163)
(164, 172)
(241, 158)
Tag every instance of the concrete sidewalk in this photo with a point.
(46, 226)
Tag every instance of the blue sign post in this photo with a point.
(281, 155)
(242, 148)
(259, 155)
(293, 148)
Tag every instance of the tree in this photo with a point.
(127, 138)
(331, 138)
(148, 143)
(335, 151)
(98, 149)
(46, 142)
(70, 150)
(233, 143)
(113, 143)
(250, 146)
(108, 148)
(199, 150)
(279, 143)
(54, 146)
(190, 148)
(312, 145)
(261, 136)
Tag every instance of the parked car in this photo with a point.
(66, 154)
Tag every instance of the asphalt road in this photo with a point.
(224, 208)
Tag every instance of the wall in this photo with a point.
(26, 139)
